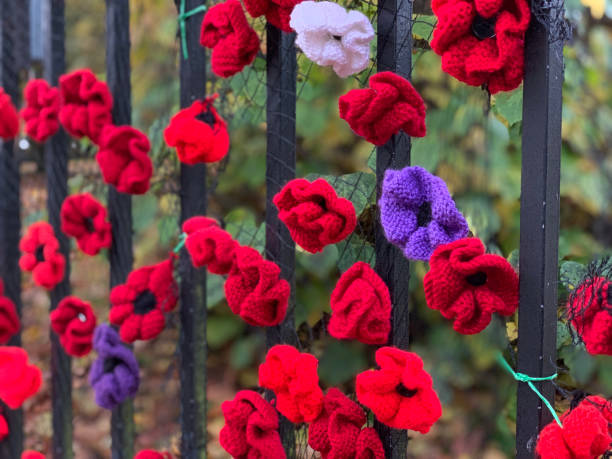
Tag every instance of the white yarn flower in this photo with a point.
(330, 35)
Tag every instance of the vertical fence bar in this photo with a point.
(10, 222)
(394, 54)
(538, 255)
(56, 166)
(193, 313)
(120, 204)
(280, 168)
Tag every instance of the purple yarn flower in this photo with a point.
(114, 374)
(418, 213)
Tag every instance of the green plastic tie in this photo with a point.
(182, 18)
(181, 243)
(522, 377)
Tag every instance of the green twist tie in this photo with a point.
(181, 243)
(522, 377)
(182, 18)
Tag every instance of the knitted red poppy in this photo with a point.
(124, 159)
(9, 121)
(251, 427)
(389, 105)
(4, 428)
(293, 378)
(234, 42)
(74, 321)
(335, 431)
(482, 41)
(590, 312)
(86, 104)
(152, 454)
(41, 113)
(9, 320)
(586, 433)
(41, 255)
(468, 286)
(361, 306)
(84, 218)
(277, 12)
(198, 133)
(138, 306)
(400, 393)
(29, 454)
(254, 290)
(19, 380)
(212, 247)
(193, 224)
(369, 445)
(314, 214)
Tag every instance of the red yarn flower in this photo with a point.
(86, 104)
(84, 218)
(197, 223)
(293, 378)
(41, 255)
(19, 380)
(74, 321)
(234, 42)
(401, 393)
(212, 247)
(138, 306)
(41, 113)
(29, 454)
(482, 41)
(198, 133)
(9, 320)
(152, 454)
(335, 431)
(361, 306)
(255, 291)
(277, 12)
(468, 286)
(9, 121)
(314, 214)
(251, 428)
(124, 159)
(4, 428)
(369, 445)
(389, 105)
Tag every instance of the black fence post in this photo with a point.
(539, 238)
(394, 54)
(120, 204)
(193, 312)
(280, 168)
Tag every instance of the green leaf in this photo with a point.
(240, 223)
(513, 259)
(423, 25)
(571, 273)
(214, 290)
(509, 105)
(564, 337)
(357, 187)
(341, 361)
(167, 227)
(354, 249)
(480, 214)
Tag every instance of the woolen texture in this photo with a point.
(19, 380)
(9, 319)
(4, 428)
(213, 248)
(9, 121)
(74, 321)
(152, 454)
(41, 112)
(277, 12)
(41, 255)
(85, 219)
(29, 454)
(369, 445)
(197, 223)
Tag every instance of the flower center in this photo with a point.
(337, 37)
(40, 253)
(110, 364)
(145, 302)
(424, 214)
(477, 279)
(483, 28)
(206, 117)
(89, 225)
(404, 391)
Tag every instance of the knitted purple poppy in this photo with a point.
(418, 213)
(114, 374)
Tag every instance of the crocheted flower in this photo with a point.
(197, 223)
(124, 159)
(314, 214)
(86, 104)
(389, 105)
(198, 133)
(417, 212)
(585, 433)
(9, 121)
(74, 321)
(332, 36)
(361, 306)
(152, 454)
(41, 113)
(84, 218)
(467, 285)
(4, 428)
(251, 427)
(590, 312)
(277, 12)
(335, 431)
(369, 445)
(212, 247)
(41, 255)
(9, 320)
(255, 291)
(401, 393)
(19, 380)
(482, 41)
(114, 374)
(293, 378)
(139, 305)
(29, 454)
(234, 42)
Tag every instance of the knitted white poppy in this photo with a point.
(330, 35)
